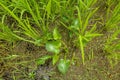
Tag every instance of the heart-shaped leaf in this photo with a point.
(63, 66)
(53, 46)
(75, 25)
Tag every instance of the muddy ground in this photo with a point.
(22, 66)
(19, 67)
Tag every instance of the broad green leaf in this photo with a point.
(38, 42)
(55, 59)
(65, 19)
(53, 46)
(75, 25)
(63, 66)
(56, 34)
(42, 60)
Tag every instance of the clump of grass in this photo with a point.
(79, 26)
(113, 17)
(112, 27)
(7, 34)
(112, 48)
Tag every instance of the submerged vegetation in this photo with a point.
(43, 38)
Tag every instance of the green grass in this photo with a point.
(114, 20)
(60, 25)
(7, 34)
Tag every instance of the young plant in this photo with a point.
(54, 46)
(63, 66)
(79, 26)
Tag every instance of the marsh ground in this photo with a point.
(17, 60)
(96, 68)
